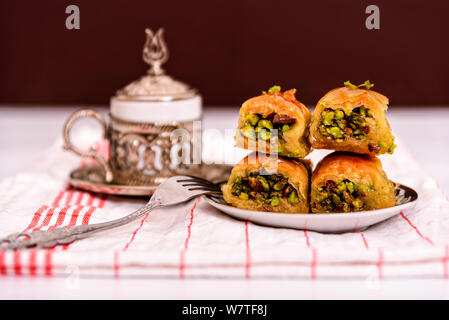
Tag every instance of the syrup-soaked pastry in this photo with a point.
(274, 122)
(269, 183)
(347, 182)
(352, 119)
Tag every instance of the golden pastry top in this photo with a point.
(277, 102)
(347, 164)
(340, 96)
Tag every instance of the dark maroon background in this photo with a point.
(229, 50)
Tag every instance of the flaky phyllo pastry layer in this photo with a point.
(347, 182)
(352, 119)
(269, 183)
(274, 122)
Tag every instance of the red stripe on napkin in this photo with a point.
(36, 217)
(16, 263)
(79, 198)
(416, 229)
(48, 267)
(87, 215)
(313, 264)
(69, 197)
(32, 262)
(380, 262)
(61, 217)
(58, 199)
(444, 260)
(116, 264)
(102, 201)
(307, 238)
(91, 199)
(186, 242)
(46, 219)
(74, 216)
(2, 263)
(248, 253)
(364, 240)
(134, 234)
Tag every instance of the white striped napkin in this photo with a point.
(196, 240)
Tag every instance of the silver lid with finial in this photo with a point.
(138, 100)
(156, 85)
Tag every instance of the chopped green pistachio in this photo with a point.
(264, 134)
(266, 190)
(349, 85)
(367, 84)
(274, 201)
(275, 194)
(323, 104)
(322, 196)
(336, 132)
(293, 197)
(345, 207)
(350, 187)
(323, 131)
(357, 119)
(328, 117)
(264, 183)
(236, 189)
(248, 132)
(265, 124)
(285, 127)
(335, 199)
(339, 114)
(357, 203)
(391, 148)
(341, 187)
(243, 196)
(341, 125)
(280, 185)
(382, 145)
(273, 89)
(252, 119)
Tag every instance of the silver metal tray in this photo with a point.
(90, 178)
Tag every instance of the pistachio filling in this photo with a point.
(381, 146)
(269, 129)
(344, 196)
(266, 190)
(340, 124)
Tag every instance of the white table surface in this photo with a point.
(26, 131)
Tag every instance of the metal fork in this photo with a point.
(174, 190)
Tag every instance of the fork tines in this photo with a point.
(198, 184)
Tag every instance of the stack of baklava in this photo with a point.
(281, 131)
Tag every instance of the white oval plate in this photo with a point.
(323, 222)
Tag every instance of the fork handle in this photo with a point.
(61, 235)
(84, 231)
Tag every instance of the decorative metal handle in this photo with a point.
(91, 153)
(57, 236)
